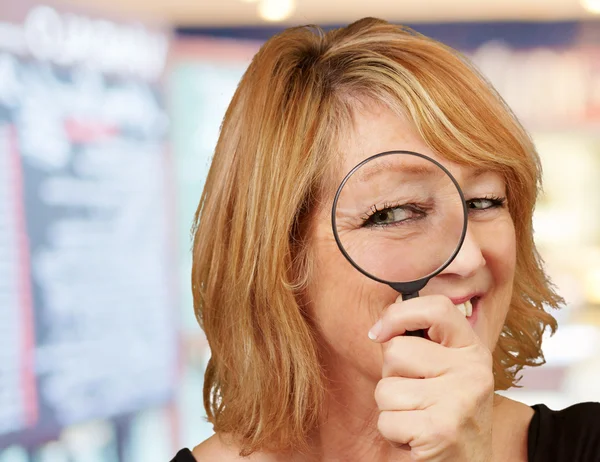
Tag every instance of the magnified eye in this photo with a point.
(391, 215)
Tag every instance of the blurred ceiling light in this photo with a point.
(593, 6)
(276, 10)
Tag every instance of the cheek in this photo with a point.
(500, 256)
(339, 294)
(344, 305)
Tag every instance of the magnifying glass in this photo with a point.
(400, 218)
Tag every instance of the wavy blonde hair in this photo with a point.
(264, 382)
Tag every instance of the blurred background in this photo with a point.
(109, 113)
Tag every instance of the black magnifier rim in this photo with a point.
(416, 282)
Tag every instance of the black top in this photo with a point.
(570, 435)
(184, 456)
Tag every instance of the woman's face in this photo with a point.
(345, 303)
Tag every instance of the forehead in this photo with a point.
(378, 129)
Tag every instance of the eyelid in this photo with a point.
(375, 209)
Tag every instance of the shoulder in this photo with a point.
(572, 433)
(216, 448)
(219, 447)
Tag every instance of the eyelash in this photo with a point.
(496, 202)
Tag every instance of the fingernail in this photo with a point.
(375, 330)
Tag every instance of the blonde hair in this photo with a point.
(263, 382)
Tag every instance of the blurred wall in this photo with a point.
(89, 329)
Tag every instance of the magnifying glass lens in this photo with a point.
(399, 217)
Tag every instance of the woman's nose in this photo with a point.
(468, 260)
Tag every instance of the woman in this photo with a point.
(309, 361)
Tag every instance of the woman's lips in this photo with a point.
(459, 300)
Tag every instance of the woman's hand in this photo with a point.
(435, 395)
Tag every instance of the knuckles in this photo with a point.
(437, 307)
(443, 432)
(443, 305)
(395, 349)
(382, 392)
(387, 426)
(400, 353)
(395, 355)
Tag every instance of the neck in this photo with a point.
(349, 429)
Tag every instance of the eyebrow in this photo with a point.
(367, 171)
(476, 172)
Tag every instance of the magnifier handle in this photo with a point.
(408, 296)
(413, 333)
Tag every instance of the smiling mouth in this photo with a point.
(466, 308)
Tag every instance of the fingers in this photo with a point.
(436, 314)
(402, 427)
(435, 416)
(416, 358)
(435, 436)
(402, 394)
(435, 397)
